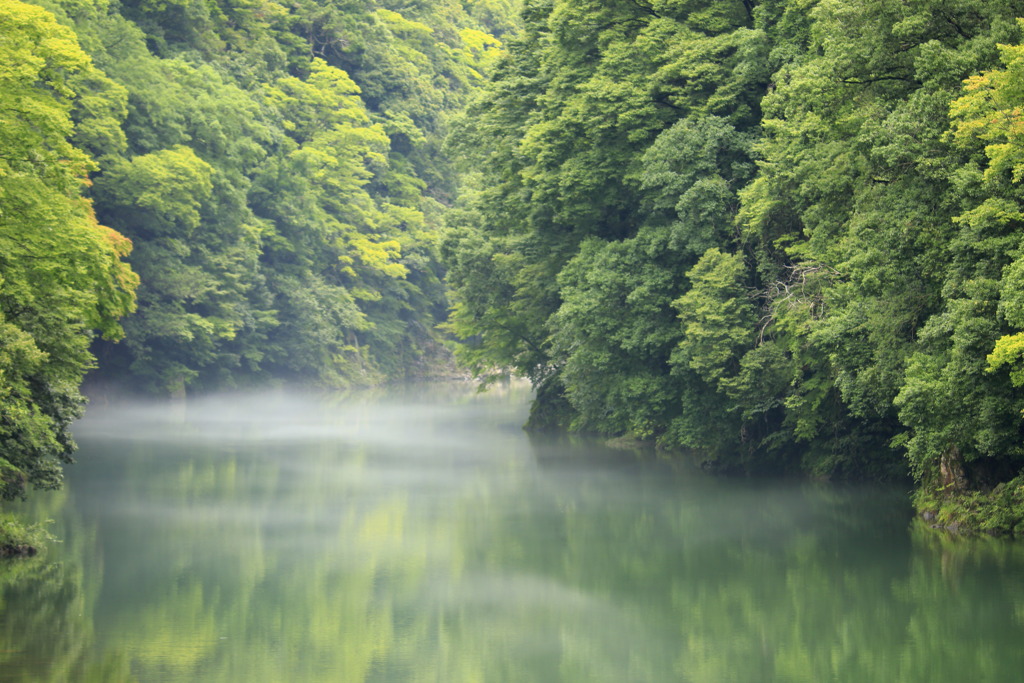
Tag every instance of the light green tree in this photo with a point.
(61, 273)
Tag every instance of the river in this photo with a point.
(417, 534)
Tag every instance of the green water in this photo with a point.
(419, 535)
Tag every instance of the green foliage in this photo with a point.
(61, 273)
(717, 317)
(786, 232)
(614, 332)
(20, 540)
(999, 512)
(566, 283)
(278, 169)
(839, 181)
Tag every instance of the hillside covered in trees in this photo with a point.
(785, 233)
(260, 183)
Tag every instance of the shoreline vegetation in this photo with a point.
(996, 512)
(785, 234)
(206, 195)
(18, 540)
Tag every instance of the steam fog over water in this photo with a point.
(418, 534)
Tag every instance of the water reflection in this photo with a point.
(420, 536)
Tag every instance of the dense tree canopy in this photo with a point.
(61, 272)
(275, 178)
(282, 180)
(786, 232)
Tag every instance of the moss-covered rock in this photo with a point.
(999, 512)
(19, 540)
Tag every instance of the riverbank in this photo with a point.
(998, 512)
(18, 540)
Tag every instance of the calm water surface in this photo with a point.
(420, 535)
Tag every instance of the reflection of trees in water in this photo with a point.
(40, 627)
(231, 563)
(46, 607)
(46, 627)
(314, 560)
(808, 585)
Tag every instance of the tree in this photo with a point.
(61, 273)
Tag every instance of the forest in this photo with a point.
(199, 194)
(784, 235)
